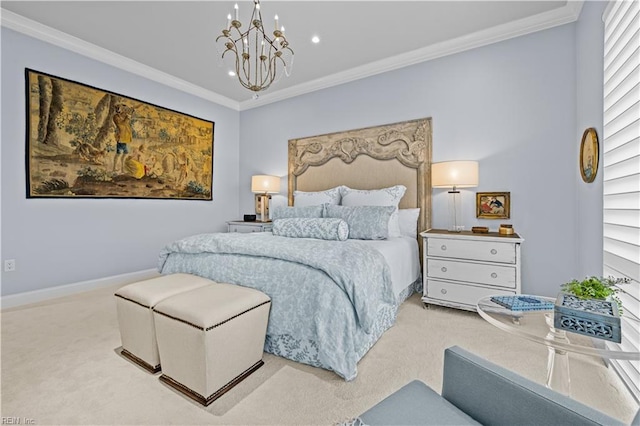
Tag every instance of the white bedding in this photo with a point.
(403, 258)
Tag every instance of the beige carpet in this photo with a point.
(60, 365)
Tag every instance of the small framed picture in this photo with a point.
(589, 149)
(493, 205)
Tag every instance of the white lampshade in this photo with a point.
(263, 184)
(460, 174)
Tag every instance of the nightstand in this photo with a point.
(242, 226)
(459, 268)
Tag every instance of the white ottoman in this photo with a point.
(134, 303)
(211, 338)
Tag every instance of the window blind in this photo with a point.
(621, 171)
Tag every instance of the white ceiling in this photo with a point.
(358, 38)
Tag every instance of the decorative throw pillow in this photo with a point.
(330, 196)
(365, 222)
(322, 229)
(408, 220)
(376, 197)
(282, 212)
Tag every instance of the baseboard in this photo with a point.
(28, 297)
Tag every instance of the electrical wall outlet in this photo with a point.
(460, 228)
(9, 265)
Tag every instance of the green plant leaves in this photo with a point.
(595, 288)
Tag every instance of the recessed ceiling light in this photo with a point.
(232, 74)
(315, 39)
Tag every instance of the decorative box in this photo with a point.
(591, 317)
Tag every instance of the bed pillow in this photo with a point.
(330, 196)
(365, 222)
(283, 212)
(321, 229)
(408, 221)
(377, 197)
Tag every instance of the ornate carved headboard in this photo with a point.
(370, 158)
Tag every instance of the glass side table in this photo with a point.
(538, 326)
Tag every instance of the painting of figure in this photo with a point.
(493, 205)
(91, 143)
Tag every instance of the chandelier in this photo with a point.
(258, 58)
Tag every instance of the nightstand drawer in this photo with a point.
(481, 273)
(460, 293)
(462, 267)
(473, 250)
(248, 228)
(240, 228)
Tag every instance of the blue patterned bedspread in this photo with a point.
(330, 300)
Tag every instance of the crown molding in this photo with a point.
(58, 38)
(575, 7)
(560, 16)
(542, 21)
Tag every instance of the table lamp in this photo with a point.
(454, 174)
(262, 186)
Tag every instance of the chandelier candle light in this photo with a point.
(257, 56)
(454, 174)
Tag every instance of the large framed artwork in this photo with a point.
(85, 142)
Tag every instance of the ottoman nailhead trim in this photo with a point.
(131, 300)
(236, 316)
(213, 326)
(177, 319)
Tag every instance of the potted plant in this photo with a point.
(590, 307)
(600, 288)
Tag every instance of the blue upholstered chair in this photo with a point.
(476, 391)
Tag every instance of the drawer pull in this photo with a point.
(443, 247)
(494, 275)
(443, 269)
(494, 251)
(443, 291)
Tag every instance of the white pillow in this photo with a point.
(376, 197)
(317, 198)
(408, 220)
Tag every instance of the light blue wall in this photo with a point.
(510, 105)
(519, 107)
(63, 241)
(589, 78)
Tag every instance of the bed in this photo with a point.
(323, 313)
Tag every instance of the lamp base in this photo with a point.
(455, 216)
(262, 207)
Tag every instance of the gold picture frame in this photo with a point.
(589, 155)
(493, 205)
